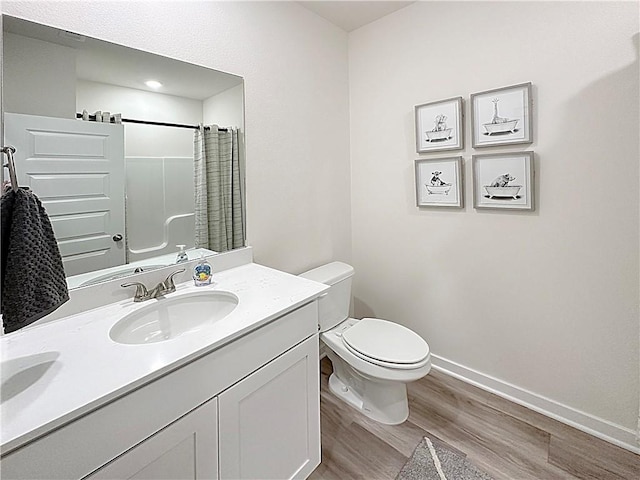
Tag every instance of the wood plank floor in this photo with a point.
(504, 439)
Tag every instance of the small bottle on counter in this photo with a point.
(202, 273)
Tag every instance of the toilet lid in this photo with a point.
(385, 342)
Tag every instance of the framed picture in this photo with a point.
(439, 182)
(502, 116)
(503, 181)
(439, 126)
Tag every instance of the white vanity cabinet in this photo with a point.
(186, 449)
(269, 422)
(249, 409)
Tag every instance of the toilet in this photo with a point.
(372, 359)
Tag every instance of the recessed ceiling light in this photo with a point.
(153, 84)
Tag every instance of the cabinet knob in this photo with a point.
(117, 237)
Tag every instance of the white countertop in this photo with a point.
(79, 368)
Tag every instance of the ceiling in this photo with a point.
(350, 15)
(109, 63)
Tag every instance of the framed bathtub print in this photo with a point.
(439, 126)
(502, 116)
(503, 181)
(439, 182)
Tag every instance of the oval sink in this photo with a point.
(167, 318)
(25, 373)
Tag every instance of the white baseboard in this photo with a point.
(603, 429)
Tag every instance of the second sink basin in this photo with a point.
(167, 318)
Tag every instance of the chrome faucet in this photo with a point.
(160, 289)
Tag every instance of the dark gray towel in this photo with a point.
(33, 279)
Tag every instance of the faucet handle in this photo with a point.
(141, 290)
(169, 286)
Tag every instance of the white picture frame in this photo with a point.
(439, 126)
(439, 182)
(504, 181)
(502, 116)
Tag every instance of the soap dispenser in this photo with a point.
(182, 255)
(202, 272)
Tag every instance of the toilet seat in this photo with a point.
(386, 344)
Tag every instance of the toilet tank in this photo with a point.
(333, 307)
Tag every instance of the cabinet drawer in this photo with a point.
(80, 447)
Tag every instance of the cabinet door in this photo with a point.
(270, 421)
(185, 449)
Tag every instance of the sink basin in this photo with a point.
(31, 372)
(167, 318)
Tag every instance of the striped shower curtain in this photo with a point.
(218, 189)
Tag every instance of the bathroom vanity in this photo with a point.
(238, 398)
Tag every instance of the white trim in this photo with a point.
(598, 427)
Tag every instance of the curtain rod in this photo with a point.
(160, 124)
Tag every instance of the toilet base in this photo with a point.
(384, 402)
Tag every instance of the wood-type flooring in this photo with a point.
(504, 439)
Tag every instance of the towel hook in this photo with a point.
(9, 151)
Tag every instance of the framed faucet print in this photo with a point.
(503, 181)
(439, 182)
(502, 116)
(439, 126)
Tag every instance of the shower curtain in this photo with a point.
(218, 189)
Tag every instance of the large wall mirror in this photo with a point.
(117, 160)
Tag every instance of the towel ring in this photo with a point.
(9, 151)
